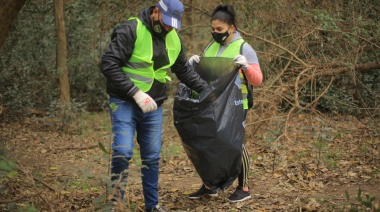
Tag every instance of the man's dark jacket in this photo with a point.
(120, 50)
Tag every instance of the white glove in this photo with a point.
(194, 58)
(145, 102)
(241, 61)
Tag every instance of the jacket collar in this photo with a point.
(144, 16)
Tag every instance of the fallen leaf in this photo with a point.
(352, 174)
(312, 205)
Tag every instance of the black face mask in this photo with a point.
(158, 29)
(220, 37)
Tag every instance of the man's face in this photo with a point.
(159, 17)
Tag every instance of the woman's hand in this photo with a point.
(241, 61)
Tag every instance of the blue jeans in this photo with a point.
(127, 118)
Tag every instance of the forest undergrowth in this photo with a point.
(323, 163)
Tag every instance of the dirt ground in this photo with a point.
(313, 168)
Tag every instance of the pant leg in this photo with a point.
(244, 173)
(124, 119)
(243, 178)
(149, 134)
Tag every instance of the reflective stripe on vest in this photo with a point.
(139, 67)
(230, 52)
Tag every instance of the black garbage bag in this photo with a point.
(211, 125)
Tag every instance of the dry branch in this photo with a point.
(325, 72)
(46, 185)
(308, 74)
(75, 148)
(277, 45)
(39, 180)
(15, 200)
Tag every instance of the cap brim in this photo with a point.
(170, 21)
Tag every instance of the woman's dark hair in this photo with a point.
(225, 13)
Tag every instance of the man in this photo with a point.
(135, 65)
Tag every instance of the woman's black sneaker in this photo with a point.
(203, 192)
(239, 195)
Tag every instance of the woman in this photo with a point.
(229, 43)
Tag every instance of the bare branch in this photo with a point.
(277, 45)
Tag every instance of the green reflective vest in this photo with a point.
(230, 52)
(139, 67)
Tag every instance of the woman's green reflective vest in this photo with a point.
(139, 67)
(231, 51)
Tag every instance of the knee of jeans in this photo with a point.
(122, 153)
(148, 162)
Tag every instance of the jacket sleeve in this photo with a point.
(116, 56)
(253, 73)
(186, 73)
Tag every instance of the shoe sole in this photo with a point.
(205, 195)
(240, 200)
(194, 198)
(212, 195)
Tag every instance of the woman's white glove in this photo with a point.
(194, 58)
(145, 102)
(241, 61)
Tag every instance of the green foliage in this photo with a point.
(332, 157)
(28, 208)
(80, 184)
(7, 165)
(30, 55)
(323, 137)
(28, 62)
(101, 146)
(326, 22)
(361, 204)
(7, 168)
(113, 107)
(330, 36)
(321, 33)
(169, 152)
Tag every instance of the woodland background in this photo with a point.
(314, 126)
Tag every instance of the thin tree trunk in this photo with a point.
(190, 22)
(62, 52)
(8, 13)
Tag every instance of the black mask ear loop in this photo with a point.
(158, 28)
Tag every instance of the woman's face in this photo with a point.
(219, 26)
(222, 32)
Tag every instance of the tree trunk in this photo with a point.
(62, 52)
(8, 13)
(191, 22)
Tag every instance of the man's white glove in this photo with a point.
(241, 61)
(145, 102)
(194, 58)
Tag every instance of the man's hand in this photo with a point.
(145, 102)
(241, 61)
(195, 58)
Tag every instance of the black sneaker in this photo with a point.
(156, 209)
(203, 192)
(239, 195)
